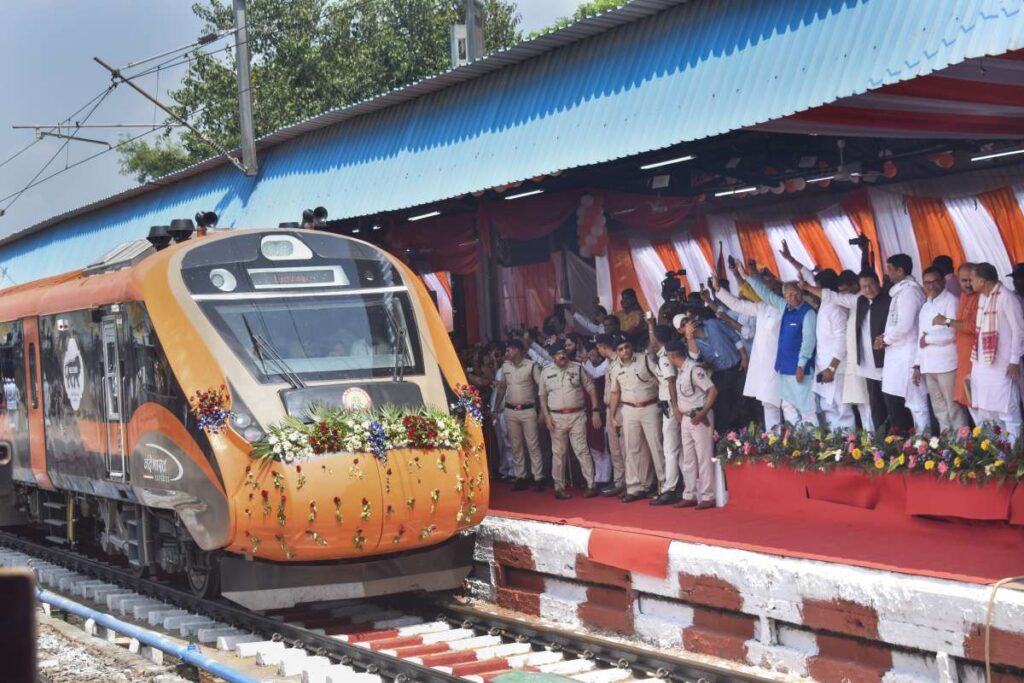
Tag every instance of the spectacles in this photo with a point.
(930, 282)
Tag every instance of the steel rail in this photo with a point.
(385, 666)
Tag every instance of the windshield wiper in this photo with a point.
(399, 331)
(262, 347)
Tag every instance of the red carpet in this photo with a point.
(782, 518)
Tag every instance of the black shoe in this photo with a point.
(562, 494)
(666, 498)
(521, 485)
(592, 492)
(538, 486)
(613, 491)
(631, 497)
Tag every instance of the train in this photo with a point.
(101, 442)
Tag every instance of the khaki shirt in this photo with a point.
(666, 375)
(520, 382)
(635, 381)
(563, 388)
(692, 385)
(613, 365)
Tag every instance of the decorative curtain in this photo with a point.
(529, 293)
(857, 207)
(936, 235)
(816, 241)
(895, 229)
(1002, 205)
(444, 243)
(839, 228)
(979, 235)
(777, 231)
(755, 245)
(623, 272)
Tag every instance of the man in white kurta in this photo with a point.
(936, 362)
(900, 341)
(761, 383)
(995, 394)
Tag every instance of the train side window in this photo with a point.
(33, 374)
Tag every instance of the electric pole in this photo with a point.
(248, 133)
(474, 30)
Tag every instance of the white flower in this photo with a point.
(934, 443)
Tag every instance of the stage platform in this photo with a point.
(828, 577)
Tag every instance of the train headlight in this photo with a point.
(284, 248)
(252, 434)
(223, 280)
(241, 420)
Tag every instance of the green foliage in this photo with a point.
(309, 56)
(585, 9)
(145, 161)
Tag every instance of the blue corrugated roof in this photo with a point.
(691, 71)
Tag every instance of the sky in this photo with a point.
(47, 72)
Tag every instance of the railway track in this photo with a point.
(402, 639)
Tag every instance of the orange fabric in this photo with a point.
(964, 343)
(633, 552)
(857, 206)
(533, 292)
(1002, 205)
(934, 230)
(755, 245)
(817, 244)
(703, 236)
(445, 279)
(623, 273)
(668, 255)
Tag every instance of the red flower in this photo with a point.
(264, 493)
(365, 502)
(298, 469)
(283, 499)
(337, 501)
(312, 504)
(441, 457)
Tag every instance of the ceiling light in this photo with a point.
(355, 231)
(741, 190)
(822, 178)
(424, 215)
(524, 194)
(376, 227)
(678, 160)
(996, 155)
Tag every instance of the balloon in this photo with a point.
(778, 189)
(889, 169)
(799, 184)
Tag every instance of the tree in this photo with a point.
(308, 56)
(585, 9)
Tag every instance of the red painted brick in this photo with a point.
(841, 658)
(421, 650)
(367, 636)
(591, 571)
(841, 616)
(710, 591)
(521, 580)
(608, 608)
(719, 634)
(477, 668)
(394, 643)
(519, 601)
(1006, 647)
(512, 555)
(450, 658)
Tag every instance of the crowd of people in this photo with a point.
(640, 397)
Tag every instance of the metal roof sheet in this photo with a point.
(641, 78)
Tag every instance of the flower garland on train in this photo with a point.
(978, 455)
(377, 431)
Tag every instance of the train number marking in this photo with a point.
(74, 374)
(159, 466)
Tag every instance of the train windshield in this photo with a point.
(340, 336)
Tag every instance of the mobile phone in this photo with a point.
(731, 260)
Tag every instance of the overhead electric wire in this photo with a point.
(31, 183)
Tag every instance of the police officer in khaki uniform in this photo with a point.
(696, 394)
(660, 335)
(605, 346)
(564, 408)
(635, 388)
(517, 391)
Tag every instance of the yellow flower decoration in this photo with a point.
(879, 463)
(772, 440)
(856, 454)
(957, 461)
(986, 444)
(977, 432)
(902, 459)
(890, 439)
(929, 465)
(796, 454)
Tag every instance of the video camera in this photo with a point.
(672, 286)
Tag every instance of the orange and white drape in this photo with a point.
(441, 285)
(984, 227)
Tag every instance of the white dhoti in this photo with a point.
(799, 395)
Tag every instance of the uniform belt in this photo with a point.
(522, 406)
(566, 411)
(642, 404)
(693, 413)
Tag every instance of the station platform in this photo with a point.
(829, 577)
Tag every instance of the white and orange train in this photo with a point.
(98, 443)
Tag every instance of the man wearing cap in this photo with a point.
(517, 392)
(606, 347)
(695, 395)
(723, 351)
(562, 399)
(635, 388)
(660, 335)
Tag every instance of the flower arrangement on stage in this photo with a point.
(978, 455)
(210, 409)
(334, 430)
(469, 402)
